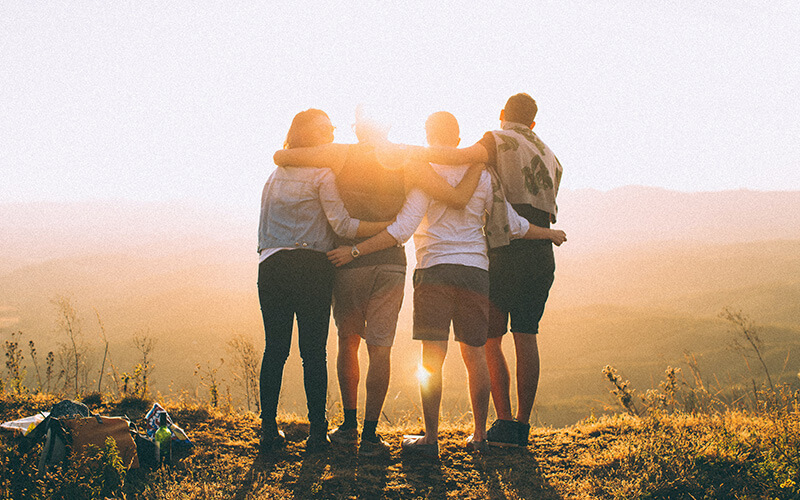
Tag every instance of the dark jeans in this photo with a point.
(295, 282)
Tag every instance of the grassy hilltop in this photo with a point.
(657, 448)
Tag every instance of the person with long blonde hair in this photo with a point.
(301, 212)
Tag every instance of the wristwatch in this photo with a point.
(354, 252)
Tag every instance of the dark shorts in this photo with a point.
(451, 292)
(520, 277)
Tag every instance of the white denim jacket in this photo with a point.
(301, 208)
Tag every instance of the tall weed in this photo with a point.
(15, 369)
(693, 443)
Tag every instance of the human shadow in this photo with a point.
(424, 475)
(371, 474)
(260, 470)
(340, 472)
(314, 474)
(515, 473)
(330, 473)
(267, 462)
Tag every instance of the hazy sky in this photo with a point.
(188, 100)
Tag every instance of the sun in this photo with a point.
(423, 375)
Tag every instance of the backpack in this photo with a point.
(69, 427)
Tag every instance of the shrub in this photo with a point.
(93, 400)
(15, 369)
(97, 473)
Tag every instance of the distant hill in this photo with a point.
(635, 215)
(686, 276)
(594, 220)
(35, 232)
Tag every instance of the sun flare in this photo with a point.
(423, 375)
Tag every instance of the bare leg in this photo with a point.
(348, 371)
(377, 380)
(433, 353)
(479, 387)
(498, 372)
(527, 350)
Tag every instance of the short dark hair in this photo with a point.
(300, 133)
(442, 129)
(521, 108)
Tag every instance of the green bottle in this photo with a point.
(164, 441)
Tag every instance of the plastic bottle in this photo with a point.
(163, 439)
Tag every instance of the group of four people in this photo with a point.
(480, 260)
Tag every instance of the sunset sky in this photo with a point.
(178, 100)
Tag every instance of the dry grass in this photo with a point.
(724, 455)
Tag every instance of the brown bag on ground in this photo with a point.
(94, 430)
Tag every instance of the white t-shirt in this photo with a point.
(445, 235)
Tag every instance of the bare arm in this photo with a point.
(535, 232)
(330, 156)
(519, 227)
(366, 228)
(420, 174)
(423, 176)
(398, 232)
(342, 255)
(456, 156)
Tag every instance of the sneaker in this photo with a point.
(415, 445)
(270, 442)
(344, 436)
(504, 433)
(476, 446)
(373, 448)
(523, 430)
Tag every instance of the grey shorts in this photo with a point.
(367, 300)
(451, 292)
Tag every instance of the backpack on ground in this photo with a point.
(69, 427)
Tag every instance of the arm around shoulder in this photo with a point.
(423, 176)
(330, 156)
(456, 156)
